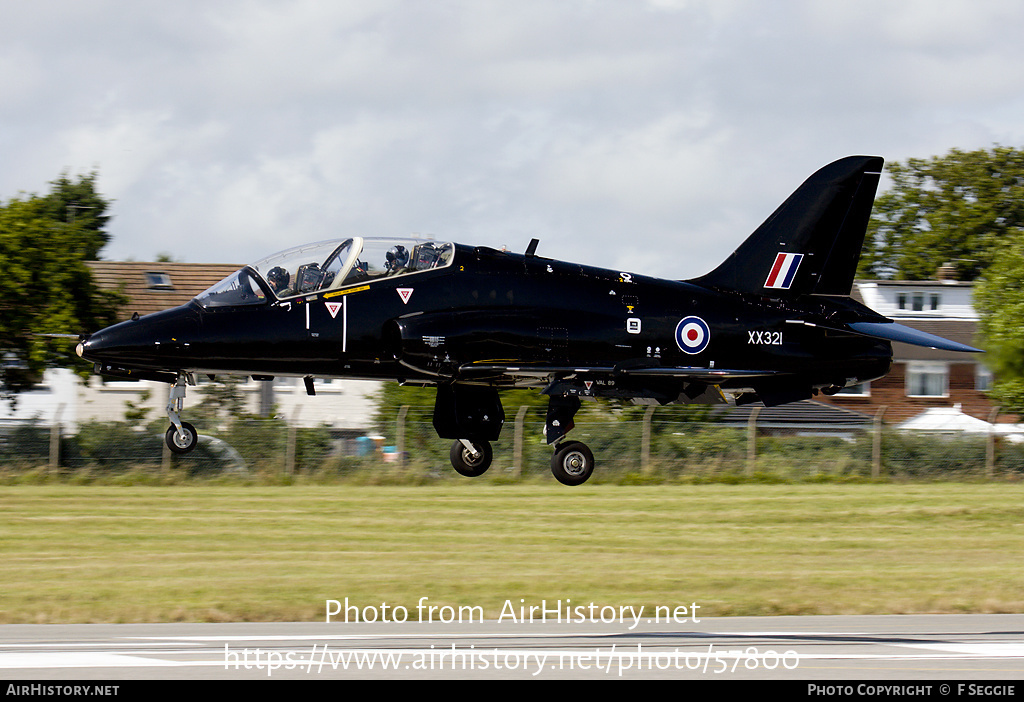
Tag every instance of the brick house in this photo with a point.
(922, 378)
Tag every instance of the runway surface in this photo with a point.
(890, 647)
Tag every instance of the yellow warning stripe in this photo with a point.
(346, 292)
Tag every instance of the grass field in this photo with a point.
(245, 553)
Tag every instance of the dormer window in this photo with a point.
(156, 280)
(918, 301)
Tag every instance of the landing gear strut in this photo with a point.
(572, 462)
(181, 436)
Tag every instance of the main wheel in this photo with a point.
(573, 463)
(471, 465)
(181, 443)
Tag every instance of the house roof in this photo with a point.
(945, 419)
(148, 291)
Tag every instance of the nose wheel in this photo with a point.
(572, 463)
(181, 437)
(183, 440)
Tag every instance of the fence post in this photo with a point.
(400, 435)
(165, 457)
(645, 441)
(55, 431)
(990, 443)
(876, 443)
(752, 440)
(289, 452)
(517, 443)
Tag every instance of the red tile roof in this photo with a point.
(186, 280)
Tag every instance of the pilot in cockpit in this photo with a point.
(397, 259)
(278, 279)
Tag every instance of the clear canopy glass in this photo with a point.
(327, 265)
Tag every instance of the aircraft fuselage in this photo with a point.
(494, 307)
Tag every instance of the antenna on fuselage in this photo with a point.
(531, 250)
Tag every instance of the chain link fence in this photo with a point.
(629, 447)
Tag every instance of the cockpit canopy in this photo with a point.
(326, 265)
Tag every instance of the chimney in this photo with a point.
(946, 273)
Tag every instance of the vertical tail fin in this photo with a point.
(812, 242)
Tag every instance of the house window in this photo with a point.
(982, 378)
(158, 281)
(918, 301)
(927, 379)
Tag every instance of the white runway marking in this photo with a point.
(84, 659)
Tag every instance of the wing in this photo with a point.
(491, 370)
(662, 384)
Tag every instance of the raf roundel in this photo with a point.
(693, 335)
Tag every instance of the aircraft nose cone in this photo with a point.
(97, 346)
(159, 340)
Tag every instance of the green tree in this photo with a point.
(45, 286)
(999, 299)
(958, 208)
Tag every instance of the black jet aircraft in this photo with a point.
(774, 323)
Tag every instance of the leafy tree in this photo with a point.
(965, 208)
(957, 208)
(999, 298)
(78, 203)
(45, 286)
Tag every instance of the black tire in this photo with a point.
(176, 443)
(465, 463)
(572, 463)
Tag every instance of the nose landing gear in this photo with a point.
(181, 437)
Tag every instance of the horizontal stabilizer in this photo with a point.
(907, 335)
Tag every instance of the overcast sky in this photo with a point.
(648, 136)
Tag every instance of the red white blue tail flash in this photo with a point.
(783, 271)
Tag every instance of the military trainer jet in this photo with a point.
(774, 323)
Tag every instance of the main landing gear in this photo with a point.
(181, 437)
(471, 458)
(476, 412)
(572, 463)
